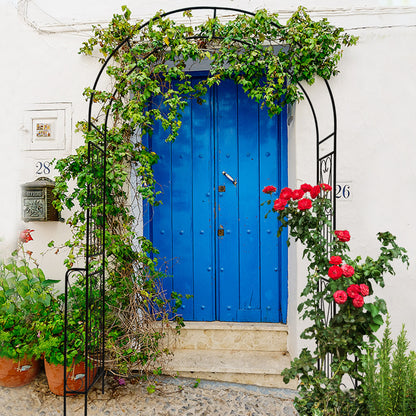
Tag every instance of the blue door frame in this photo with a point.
(211, 228)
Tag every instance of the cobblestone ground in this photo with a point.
(172, 397)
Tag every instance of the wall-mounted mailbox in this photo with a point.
(37, 197)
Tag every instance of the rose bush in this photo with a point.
(339, 283)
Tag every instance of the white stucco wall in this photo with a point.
(376, 153)
(375, 94)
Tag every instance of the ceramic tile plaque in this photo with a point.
(47, 126)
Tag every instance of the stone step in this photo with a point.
(261, 368)
(247, 353)
(231, 336)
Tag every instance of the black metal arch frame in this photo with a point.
(325, 173)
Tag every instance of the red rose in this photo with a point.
(315, 191)
(285, 193)
(25, 236)
(304, 204)
(335, 272)
(340, 297)
(364, 289)
(347, 270)
(298, 194)
(279, 204)
(358, 301)
(343, 235)
(353, 291)
(269, 189)
(325, 187)
(306, 187)
(335, 260)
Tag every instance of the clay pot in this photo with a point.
(18, 373)
(75, 380)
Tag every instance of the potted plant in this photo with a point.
(51, 344)
(25, 295)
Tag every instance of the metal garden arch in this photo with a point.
(326, 151)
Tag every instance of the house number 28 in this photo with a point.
(43, 168)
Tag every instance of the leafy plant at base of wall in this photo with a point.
(149, 63)
(25, 295)
(50, 330)
(389, 383)
(333, 276)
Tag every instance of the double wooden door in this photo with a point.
(210, 229)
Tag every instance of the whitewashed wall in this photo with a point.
(375, 95)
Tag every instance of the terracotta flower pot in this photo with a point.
(75, 381)
(18, 373)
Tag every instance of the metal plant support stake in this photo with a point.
(92, 277)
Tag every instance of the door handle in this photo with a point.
(229, 177)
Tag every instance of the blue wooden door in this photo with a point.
(214, 240)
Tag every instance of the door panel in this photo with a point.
(158, 225)
(227, 202)
(203, 301)
(240, 275)
(181, 200)
(249, 197)
(273, 254)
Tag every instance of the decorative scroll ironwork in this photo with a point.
(85, 289)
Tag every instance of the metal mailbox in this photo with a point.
(37, 197)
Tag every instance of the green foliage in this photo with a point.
(32, 315)
(25, 296)
(50, 330)
(197, 382)
(148, 66)
(390, 377)
(344, 337)
(151, 388)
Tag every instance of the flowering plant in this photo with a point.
(25, 296)
(337, 283)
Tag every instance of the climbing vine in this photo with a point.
(150, 84)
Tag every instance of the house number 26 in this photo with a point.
(343, 191)
(43, 168)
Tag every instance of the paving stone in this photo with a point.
(173, 397)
